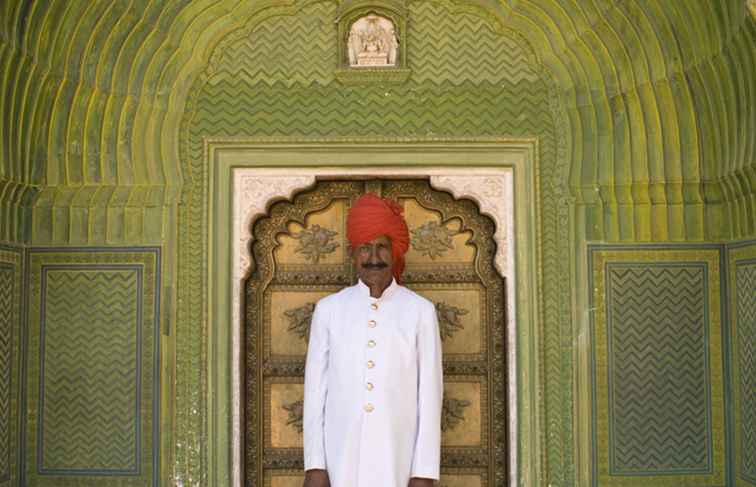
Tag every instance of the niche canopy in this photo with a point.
(372, 43)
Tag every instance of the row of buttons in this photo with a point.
(370, 364)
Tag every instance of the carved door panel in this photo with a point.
(300, 255)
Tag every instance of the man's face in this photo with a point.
(373, 261)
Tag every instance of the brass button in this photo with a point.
(369, 386)
(370, 364)
(374, 306)
(369, 407)
(371, 343)
(372, 323)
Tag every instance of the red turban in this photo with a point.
(372, 216)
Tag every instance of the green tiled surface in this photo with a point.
(659, 415)
(742, 275)
(11, 270)
(8, 328)
(89, 408)
(92, 379)
(658, 368)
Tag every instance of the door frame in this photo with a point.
(247, 174)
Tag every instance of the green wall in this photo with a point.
(11, 311)
(642, 112)
(741, 262)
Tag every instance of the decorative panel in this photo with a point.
(284, 401)
(658, 407)
(93, 379)
(290, 310)
(299, 257)
(8, 325)
(10, 348)
(742, 276)
(89, 361)
(464, 417)
(319, 242)
(462, 320)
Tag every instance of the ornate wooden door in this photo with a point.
(300, 255)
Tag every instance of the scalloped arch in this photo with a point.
(657, 97)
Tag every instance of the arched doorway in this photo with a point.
(299, 254)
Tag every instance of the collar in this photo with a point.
(365, 290)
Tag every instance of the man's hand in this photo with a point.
(316, 478)
(420, 482)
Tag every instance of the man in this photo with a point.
(373, 377)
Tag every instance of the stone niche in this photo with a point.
(372, 42)
(372, 47)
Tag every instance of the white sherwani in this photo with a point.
(373, 388)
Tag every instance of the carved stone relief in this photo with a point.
(296, 414)
(315, 241)
(432, 239)
(372, 42)
(452, 412)
(300, 319)
(494, 195)
(449, 319)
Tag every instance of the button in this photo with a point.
(369, 407)
(369, 386)
(370, 364)
(372, 323)
(374, 306)
(371, 343)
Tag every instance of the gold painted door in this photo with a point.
(300, 255)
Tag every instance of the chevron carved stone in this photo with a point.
(89, 413)
(657, 355)
(745, 276)
(285, 50)
(483, 88)
(452, 46)
(7, 324)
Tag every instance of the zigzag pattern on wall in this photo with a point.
(279, 51)
(238, 108)
(7, 323)
(90, 411)
(746, 319)
(457, 87)
(443, 49)
(657, 352)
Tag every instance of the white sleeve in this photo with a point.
(427, 456)
(315, 392)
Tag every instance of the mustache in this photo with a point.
(378, 265)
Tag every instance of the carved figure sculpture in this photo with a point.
(372, 41)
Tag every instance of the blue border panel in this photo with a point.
(591, 248)
(614, 468)
(156, 251)
(138, 386)
(7, 369)
(747, 394)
